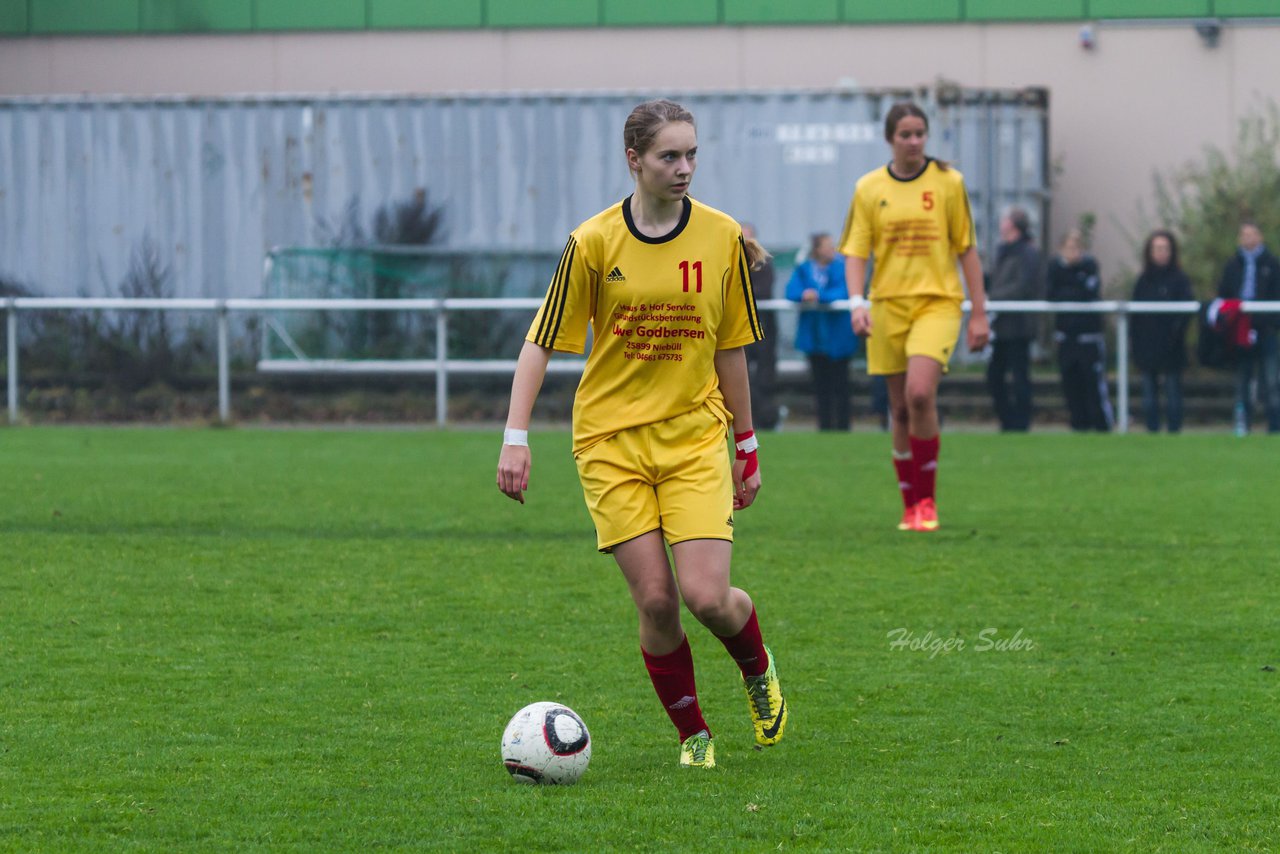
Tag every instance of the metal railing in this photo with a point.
(442, 366)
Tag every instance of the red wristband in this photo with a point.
(746, 445)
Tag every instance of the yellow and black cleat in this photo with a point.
(698, 751)
(768, 708)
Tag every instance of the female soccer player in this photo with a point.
(913, 215)
(663, 282)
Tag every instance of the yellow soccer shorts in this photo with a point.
(674, 476)
(912, 326)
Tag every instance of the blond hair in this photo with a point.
(647, 119)
(756, 253)
(642, 128)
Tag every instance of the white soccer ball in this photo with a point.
(546, 743)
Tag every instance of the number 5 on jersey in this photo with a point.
(697, 271)
(927, 200)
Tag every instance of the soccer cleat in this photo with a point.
(908, 522)
(926, 515)
(768, 708)
(698, 751)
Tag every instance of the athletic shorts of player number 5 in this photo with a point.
(903, 327)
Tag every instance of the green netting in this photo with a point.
(409, 273)
(399, 273)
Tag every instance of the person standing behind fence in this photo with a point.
(762, 356)
(1160, 340)
(1082, 347)
(825, 337)
(912, 215)
(1253, 273)
(1019, 276)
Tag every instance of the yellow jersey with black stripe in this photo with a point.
(658, 309)
(915, 227)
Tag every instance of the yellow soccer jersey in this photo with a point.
(658, 307)
(915, 227)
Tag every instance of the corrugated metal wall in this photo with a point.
(214, 184)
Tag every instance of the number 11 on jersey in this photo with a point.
(697, 270)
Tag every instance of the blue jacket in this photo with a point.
(826, 333)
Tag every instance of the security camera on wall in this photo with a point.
(1209, 32)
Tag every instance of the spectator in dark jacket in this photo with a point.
(762, 356)
(1018, 276)
(1073, 277)
(826, 337)
(1160, 340)
(1254, 274)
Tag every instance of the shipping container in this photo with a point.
(211, 185)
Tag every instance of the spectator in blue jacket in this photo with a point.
(826, 337)
(1253, 273)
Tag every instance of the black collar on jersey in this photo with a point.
(889, 169)
(670, 235)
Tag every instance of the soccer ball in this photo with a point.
(546, 743)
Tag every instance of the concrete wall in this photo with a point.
(1148, 97)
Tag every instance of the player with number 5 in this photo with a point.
(912, 215)
(662, 284)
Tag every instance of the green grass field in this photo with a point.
(228, 640)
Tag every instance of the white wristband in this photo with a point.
(515, 437)
(748, 444)
(857, 302)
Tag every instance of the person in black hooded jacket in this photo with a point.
(1019, 275)
(1160, 340)
(1073, 277)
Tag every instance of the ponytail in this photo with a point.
(757, 255)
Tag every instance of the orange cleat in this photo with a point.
(926, 515)
(908, 522)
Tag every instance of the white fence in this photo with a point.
(442, 366)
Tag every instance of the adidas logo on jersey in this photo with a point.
(615, 275)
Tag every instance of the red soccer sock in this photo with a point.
(747, 648)
(925, 452)
(672, 676)
(905, 466)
